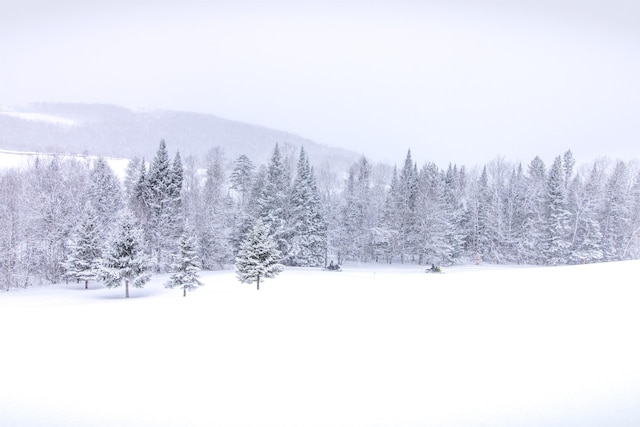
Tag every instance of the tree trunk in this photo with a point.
(258, 282)
(184, 291)
(126, 288)
(86, 284)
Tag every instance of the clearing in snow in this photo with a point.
(372, 346)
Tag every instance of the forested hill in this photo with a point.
(109, 130)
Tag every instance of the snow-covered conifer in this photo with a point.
(105, 192)
(434, 226)
(405, 203)
(616, 214)
(213, 220)
(309, 240)
(259, 257)
(85, 256)
(558, 217)
(242, 177)
(274, 203)
(125, 261)
(186, 266)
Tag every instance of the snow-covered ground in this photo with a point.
(22, 159)
(370, 346)
(37, 117)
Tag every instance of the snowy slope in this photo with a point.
(369, 346)
(113, 131)
(22, 159)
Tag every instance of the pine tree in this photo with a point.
(587, 237)
(558, 217)
(164, 224)
(83, 261)
(274, 203)
(616, 214)
(105, 192)
(125, 261)
(139, 202)
(309, 240)
(435, 226)
(186, 266)
(515, 215)
(259, 257)
(242, 177)
(388, 229)
(214, 217)
(532, 241)
(405, 203)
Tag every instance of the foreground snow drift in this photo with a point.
(369, 346)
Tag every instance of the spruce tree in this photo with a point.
(617, 217)
(587, 237)
(125, 262)
(105, 192)
(405, 203)
(435, 225)
(213, 218)
(356, 225)
(309, 240)
(274, 203)
(242, 177)
(558, 218)
(532, 240)
(186, 266)
(165, 219)
(259, 257)
(84, 259)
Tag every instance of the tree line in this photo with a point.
(63, 219)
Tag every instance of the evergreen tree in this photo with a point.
(274, 203)
(186, 266)
(164, 224)
(242, 177)
(515, 215)
(130, 181)
(558, 218)
(435, 225)
(480, 209)
(532, 241)
(214, 220)
(140, 201)
(85, 257)
(125, 262)
(259, 257)
(587, 236)
(405, 204)
(454, 187)
(389, 231)
(632, 250)
(176, 173)
(351, 241)
(105, 193)
(616, 214)
(309, 240)
(568, 163)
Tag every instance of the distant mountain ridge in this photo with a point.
(109, 130)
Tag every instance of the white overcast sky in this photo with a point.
(460, 81)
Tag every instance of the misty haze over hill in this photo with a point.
(109, 130)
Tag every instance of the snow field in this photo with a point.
(370, 346)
